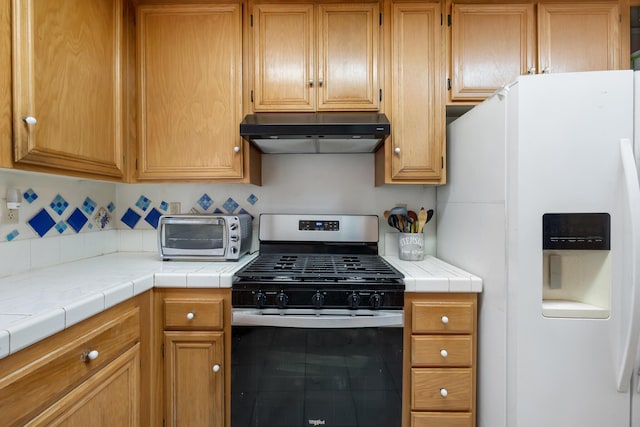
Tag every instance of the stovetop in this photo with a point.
(319, 267)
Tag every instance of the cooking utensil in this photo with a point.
(429, 215)
(393, 222)
(422, 219)
(413, 218)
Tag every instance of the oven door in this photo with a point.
(294, 368)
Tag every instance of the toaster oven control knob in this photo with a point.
(233, 237)
(282, 299)
(375, 301)
(260, 300)
(353, 300)
(317, 300)
(233, 226)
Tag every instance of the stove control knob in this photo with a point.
(260, 300)
(375, 301)
(317, 300)
(353, 300)
(282, 299)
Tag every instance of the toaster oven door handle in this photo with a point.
(324, 318)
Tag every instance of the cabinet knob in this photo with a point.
(320, 82)
(216, 368)
(444, 392)
(532, 70)
(88, 356)
(396, 150)
(30, 120)
(444, 319)
(444, 353)
(546, 70)
(191, 315)
(311, 83)
(236, 149)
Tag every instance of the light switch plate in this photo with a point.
(9, 216)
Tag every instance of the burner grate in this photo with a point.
(319, 266)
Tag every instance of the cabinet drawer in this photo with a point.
(445, 317)
(441, 419)
(441, 350)
(449, 389)
(193, 313)
(26, 391)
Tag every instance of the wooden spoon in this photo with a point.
(422, 219)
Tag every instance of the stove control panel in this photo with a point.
(268, 296)
(318, 225)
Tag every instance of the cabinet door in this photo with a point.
(417, 116)
(67, 79)
(109, 398)
(491, 45)
(194, 378)
(284, 77)
(578, 37)
(190, 86)
(348, 54)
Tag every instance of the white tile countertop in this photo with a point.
(40, 303)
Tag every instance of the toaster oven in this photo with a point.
(208, 237)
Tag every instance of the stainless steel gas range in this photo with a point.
(317, 326)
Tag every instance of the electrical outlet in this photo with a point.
(174, 208)
(10, 216)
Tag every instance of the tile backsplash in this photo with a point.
(77, 213)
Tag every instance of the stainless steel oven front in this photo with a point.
(310, 367)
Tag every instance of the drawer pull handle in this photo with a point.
(444, 353)
(88, 356)
(443, 392)
(216, 368)
(444, 319)
(30, 120)
(191, 315)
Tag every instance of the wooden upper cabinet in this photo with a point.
(578, 37)
(415, 149)
(491, 45)
(67, 81)
(189, 91)
(330, 64)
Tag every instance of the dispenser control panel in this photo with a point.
(583, 231)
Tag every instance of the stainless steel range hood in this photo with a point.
(288, 133)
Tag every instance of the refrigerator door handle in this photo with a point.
(632, 332)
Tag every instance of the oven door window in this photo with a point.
(293, 377)
(194, 236)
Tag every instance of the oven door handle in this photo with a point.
(325, 319)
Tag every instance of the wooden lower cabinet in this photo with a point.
(108, 398)
(440, 339)
(93, 373)
(196, 334)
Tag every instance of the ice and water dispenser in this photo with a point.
(576, 265)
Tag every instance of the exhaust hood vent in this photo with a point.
(289, 133)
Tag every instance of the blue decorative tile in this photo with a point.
(29, 196)
(102, 218)
(12, 235)
(153, 217)
(41, 222)
(90, 226)
(164, 206)
(61, 226)
(205, 201)
(242, 211)
(230, 205)
(111, 207)
(88, 206)
(77, 220)
(143, 203)
(59, 204)
(130, 218)
(252, 199)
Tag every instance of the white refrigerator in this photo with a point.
(543, 203)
